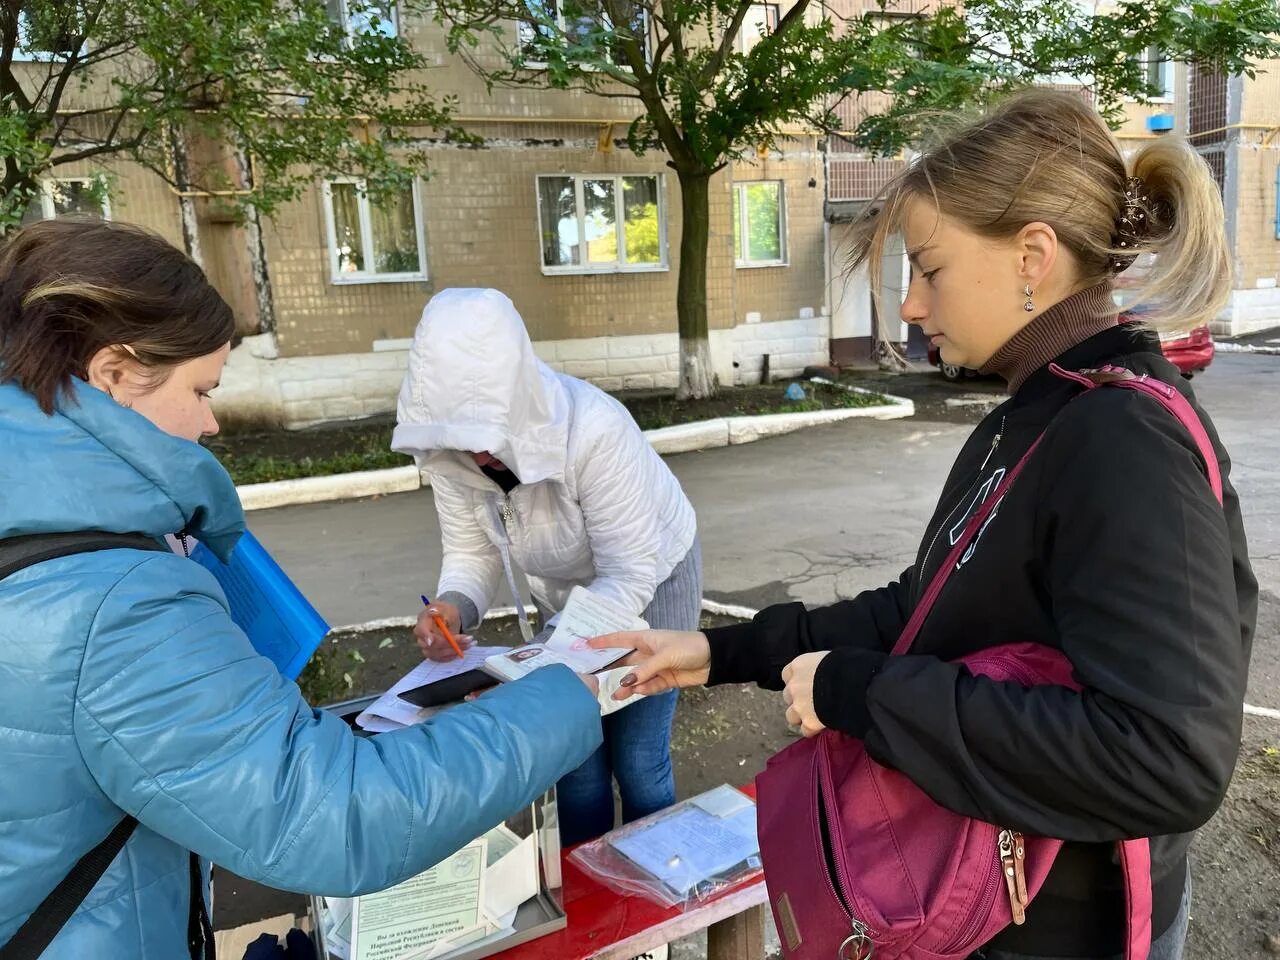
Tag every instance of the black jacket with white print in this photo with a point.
(1111, 547)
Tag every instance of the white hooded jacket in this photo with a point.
(595, 506)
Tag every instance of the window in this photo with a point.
(1157, 70)
(360, 17)
(70, 197)
(590, 224)
(547, 22)
(759, 224)
(760, 21)
(374, 241)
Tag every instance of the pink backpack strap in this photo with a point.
(1168, 397)
(1135, 862)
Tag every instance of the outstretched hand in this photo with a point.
(662, 660)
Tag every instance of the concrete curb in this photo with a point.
(339, 486)
(1227, 347)
(682, 438)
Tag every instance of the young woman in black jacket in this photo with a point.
(1110, 546)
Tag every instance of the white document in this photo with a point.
(722, 801)
(501, 841)
(610, 683)
(511, 880)
(584, 617)
(337, 926)
(389, 706)
(407, 920)
(691, 847)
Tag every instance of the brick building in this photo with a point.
(552, 209)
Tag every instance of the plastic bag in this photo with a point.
(680, 856)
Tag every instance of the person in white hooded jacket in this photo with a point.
(537, 470)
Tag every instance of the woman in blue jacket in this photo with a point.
(126, 689)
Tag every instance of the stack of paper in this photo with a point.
(389, 712)
(463, 901)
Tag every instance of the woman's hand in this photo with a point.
(663, 660)
(431, 641)
(798, 694)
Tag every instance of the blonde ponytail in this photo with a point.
(1046, 155)
(1188, 279)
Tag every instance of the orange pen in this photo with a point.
(444, 629)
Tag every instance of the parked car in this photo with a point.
(1189, 352)
(950, 371)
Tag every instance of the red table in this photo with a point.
(605, 925)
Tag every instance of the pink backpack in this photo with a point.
(861, 863)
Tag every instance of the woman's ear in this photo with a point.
(109, 369)
(1037, 249)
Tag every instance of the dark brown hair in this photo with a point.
(70, 287)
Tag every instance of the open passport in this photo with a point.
(585, 615)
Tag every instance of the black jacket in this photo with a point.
(1111, 547)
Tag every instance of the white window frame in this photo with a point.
(740, 199)
(337, 277)
(345, 24)
(47, 200)
(663, 264)
(749, 19)
(1166, 67)
(524, 31)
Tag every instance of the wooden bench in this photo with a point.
(605, 925)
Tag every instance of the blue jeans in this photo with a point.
(1168, 946)
(637, 740)
(637, 751)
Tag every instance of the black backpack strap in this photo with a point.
(39, 929)
(44, 923)
(17, 553)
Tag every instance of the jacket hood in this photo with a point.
(474, 384)
(95, 465)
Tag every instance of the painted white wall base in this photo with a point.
(1248, 311)
(259, 386)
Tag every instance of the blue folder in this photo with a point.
(280, 622)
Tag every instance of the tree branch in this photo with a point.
(10, 12)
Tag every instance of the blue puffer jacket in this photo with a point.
(126, 688)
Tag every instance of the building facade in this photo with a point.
(550, 207)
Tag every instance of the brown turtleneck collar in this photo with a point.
(1066, 323)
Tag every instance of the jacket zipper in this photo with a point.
(995, 442)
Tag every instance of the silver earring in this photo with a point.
(1028, 306)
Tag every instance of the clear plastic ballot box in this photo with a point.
(500, 891)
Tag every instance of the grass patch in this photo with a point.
(322, 452)
(654, 412)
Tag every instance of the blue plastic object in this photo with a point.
(1160, 122)
(279, 621)
(794, 392)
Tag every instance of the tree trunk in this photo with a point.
(697, 379)
(186, 204)
(257, 252)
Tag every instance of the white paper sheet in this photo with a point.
(691, 846)
(390, 707)
(722, 801)
(610, 682)
(407, 920)
(511, 881)
(584, 617)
